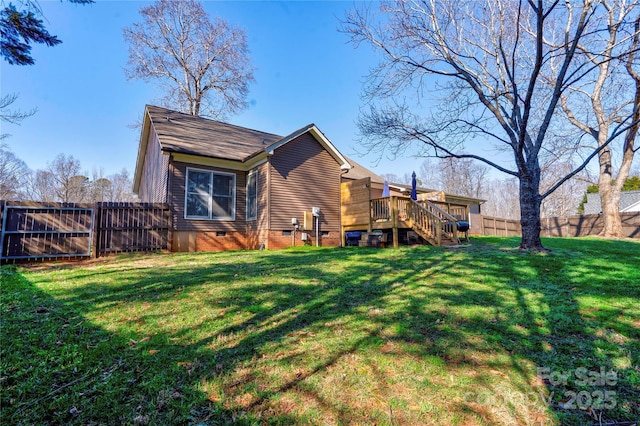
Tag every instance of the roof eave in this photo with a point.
(142, 150)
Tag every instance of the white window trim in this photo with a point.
(253, 173)
(210, 209)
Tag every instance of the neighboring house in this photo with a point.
(231, 187)
(629, 202)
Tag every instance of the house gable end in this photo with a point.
(303, 175)
(313, 130)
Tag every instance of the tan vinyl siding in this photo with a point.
(153, 185)
(178, 172)
(304, 175)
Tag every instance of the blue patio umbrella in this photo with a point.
(414, 192)
(385, 190)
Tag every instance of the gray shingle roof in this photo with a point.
(627, 199)
(188, 134)
(358, 171)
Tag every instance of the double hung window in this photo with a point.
(210, 195)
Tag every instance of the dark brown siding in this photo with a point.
(256, 229)
(263, 196)
(178, 173)
(153, 185)
(304, 175)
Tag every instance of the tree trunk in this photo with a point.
(610, 201)
(530, 202)
(609, 197)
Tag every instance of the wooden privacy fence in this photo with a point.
(31, 230)
(592, 224)
(500, 226)
(571, 226)
(132, 227)
(38, 231)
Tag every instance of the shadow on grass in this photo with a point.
(273, 337)
(59, 368)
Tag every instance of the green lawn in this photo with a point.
(479, 335)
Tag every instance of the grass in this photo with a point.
(480, 335)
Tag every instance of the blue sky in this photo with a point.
(306, 73)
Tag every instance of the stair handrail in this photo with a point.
(444, 216)
(425, 221)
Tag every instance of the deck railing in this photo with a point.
(429, 219)
(381, 209)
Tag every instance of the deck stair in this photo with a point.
(433, 224)
(430, 222)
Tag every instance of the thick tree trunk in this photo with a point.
(610, 196)
(530, 201)
(610, 202)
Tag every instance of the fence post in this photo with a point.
(548, 229)
(96, 229)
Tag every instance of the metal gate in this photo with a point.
(40, 232)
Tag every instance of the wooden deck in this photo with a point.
(434, 221)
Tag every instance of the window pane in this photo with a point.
(199, 182)
(252, 196)
(222, 185)
(252, 208)
(221, 207)
(197, 205)
(252, 187)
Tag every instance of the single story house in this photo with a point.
(230, 187)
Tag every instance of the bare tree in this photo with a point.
(564, 201)
(11, 115)
(391, 177)
(100, 190)
(597, 104)
(462, 176)
(429, 173)
(64, 171)
(41, 186)
(14, 174)
(121, 189)
(76, 190)
(204, 66)
(405, 179)
(487, 59)
(503, 199)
